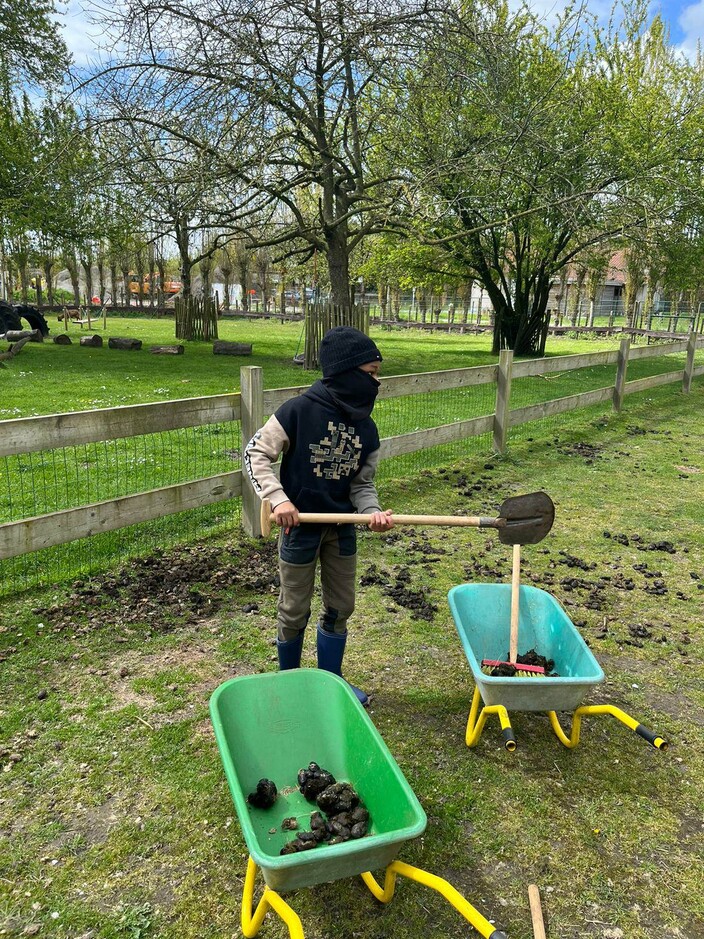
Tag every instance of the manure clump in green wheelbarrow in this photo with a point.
(346, 817)
(264, 795)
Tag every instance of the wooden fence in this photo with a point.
(321, 317)
(252, 403)
(196, 318)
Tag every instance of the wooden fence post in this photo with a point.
(503, 400)
(621, 369)
(689, 364)
(251, 419)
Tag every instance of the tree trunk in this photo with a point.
(185, 279)
(243, 274)
(24, 283)
(48, 277)
(422, 304)
(206, 265)
(381, 290)
(140, 271)
(182, 240)
(152, 277)
(226, 288)
(87, 265)
(339, 268)
(75, 283)
(161, 267)
(113, 281)
(127, 299)
(396, 304)
(101, 279)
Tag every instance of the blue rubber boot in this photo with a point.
(290, 652)
(331, 650)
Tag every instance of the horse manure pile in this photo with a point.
(340, 814)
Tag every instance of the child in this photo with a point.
(330, 449)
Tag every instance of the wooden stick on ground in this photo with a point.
(536, 912)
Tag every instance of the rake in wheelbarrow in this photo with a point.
(270, 726)
(481, 613)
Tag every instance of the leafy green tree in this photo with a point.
(529, 145)
(31, 48)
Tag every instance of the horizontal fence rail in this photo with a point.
(46, 531)
(75, 428)
(250, 407)
(535, 412)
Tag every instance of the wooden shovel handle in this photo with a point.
(536, 912)
(338, 518)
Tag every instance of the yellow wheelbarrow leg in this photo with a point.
(251, 923)
(475, 725)
(445, 889)
(655, 739)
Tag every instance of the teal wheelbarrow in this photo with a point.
(482, 613)
(271, 725)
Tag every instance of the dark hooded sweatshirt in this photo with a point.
(329, 458)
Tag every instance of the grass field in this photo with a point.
(46, 378)
(115, 819)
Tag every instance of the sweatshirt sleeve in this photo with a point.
(260, 454)
(363, 492)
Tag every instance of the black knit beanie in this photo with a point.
(343, 348)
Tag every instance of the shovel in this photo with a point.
(521, 519)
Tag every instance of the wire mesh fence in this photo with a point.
(38, 483)
(402, 415)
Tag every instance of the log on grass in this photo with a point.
(221, 347)
(63, 339)
(131, 345)
(94, 341)
(13, 351)
(167, 350)
(14, 335)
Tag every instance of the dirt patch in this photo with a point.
(178, 588)
(398, 586)
(588, 451)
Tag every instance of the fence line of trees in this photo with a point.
(34, 434)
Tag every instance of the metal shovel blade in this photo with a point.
(528, 518)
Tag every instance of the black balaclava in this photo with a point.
(354, 392)
(342, 350)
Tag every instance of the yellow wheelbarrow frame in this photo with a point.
(477, 719)
(252, 918)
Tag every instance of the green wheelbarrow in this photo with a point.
(270, 726)
(482, 613)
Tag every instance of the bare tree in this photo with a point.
(305, 79)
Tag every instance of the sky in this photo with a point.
(685, 19)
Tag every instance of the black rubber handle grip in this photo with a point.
(655, 739)
(509, 743)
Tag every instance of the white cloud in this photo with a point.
(80, 34)
(691, 22)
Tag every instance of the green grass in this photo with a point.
(46, 378)
(116, 815)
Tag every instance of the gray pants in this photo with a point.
(334, 546)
